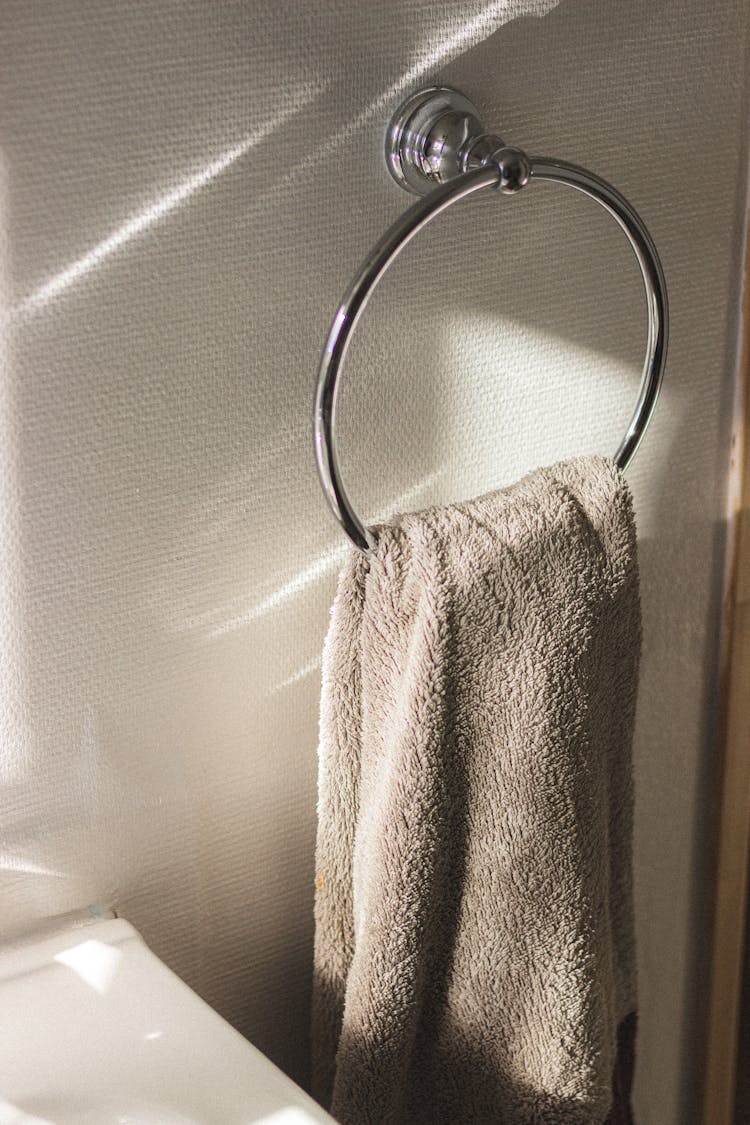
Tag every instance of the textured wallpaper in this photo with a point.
(185, 190)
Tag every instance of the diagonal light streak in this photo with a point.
(298, 676)
(152, 214)
(468, 33)
(27, 867)
(315, 570)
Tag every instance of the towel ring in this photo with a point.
(435, 144)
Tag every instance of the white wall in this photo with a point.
(187, 188)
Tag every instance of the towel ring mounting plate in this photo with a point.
(435, 147)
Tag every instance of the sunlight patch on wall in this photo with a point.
(525, 397)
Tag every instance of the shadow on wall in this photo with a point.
(176, 269)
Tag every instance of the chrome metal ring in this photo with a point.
(493, 173)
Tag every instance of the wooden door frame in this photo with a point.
(732, 841)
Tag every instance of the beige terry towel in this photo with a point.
(474, 939)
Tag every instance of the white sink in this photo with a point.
(96, 1030)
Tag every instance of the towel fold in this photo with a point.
(474, 951)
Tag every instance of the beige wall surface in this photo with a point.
(185, 190)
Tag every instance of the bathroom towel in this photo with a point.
(474, 950)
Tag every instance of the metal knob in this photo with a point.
(437, 135)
